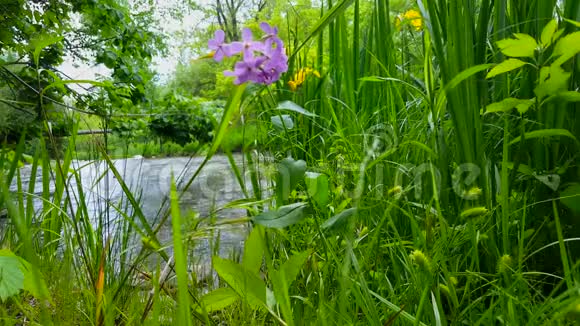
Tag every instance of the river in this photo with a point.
(149, 181)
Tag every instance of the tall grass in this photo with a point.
(422, 204)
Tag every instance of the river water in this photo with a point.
(149, 181)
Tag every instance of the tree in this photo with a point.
(198, 79)
(42, 33)
(231, 14)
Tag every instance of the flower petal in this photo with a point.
(212, 44)
(229, 73)
(235, 48)
(220, 36)
(218, 55)
(266, 27)
(247, 35)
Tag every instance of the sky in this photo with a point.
(164, 65)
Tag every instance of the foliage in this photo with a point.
(11, 276)
(181, 121)
(401, 187)
(44, 33)
(198, 79)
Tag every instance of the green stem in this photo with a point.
(563, 252)
(421, 304)
(505, 189)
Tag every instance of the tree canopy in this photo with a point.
(40, 35)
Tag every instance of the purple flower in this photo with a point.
(217, 45)
(247, 70)
(248, 45)
(275, 64)
(269, 30)
(271, 35)
(262, 62)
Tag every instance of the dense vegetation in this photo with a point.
(404, 162)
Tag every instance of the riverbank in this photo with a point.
(88, 146)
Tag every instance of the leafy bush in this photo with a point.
(182, 120)
(191, 148)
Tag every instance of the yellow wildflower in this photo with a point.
(412, 18)
(300, 77)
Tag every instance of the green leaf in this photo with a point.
(317, 187)
(553, 80)
(37, 287)
(373, 79)
(11, 275)
(110, 59)
(254, 250)
(219, 299)
(567, 47)
(458, 79)
(523, 45)
(233, 106)
(283, 121)
(281, 294)
(575, 23)
(290, 173)
(524, 106)
(283, 217)
(507, 65)
(419, 91)
(508, 104)
(245, 283)
(283, 278)
(244, 203)
(569, 96)
(543, 133)
(338, 221)
(548, 33)
(465, 74)
(292, 266)
(318, 28)
(522, 168)
(41, 42)
(550, 180)
(291, 106)
(183, 305)
(570, 197)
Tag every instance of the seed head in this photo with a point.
(421, 260)
(474, 212)
(472, 193)
(395, 191)
(504, 264)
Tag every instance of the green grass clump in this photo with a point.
(428, 176)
